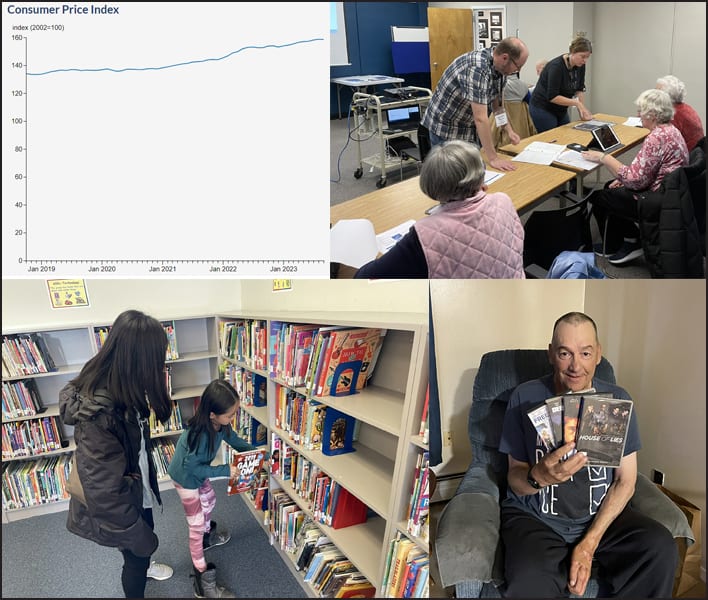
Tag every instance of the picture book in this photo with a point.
(351, 359)
(249, 464)
(356, 590)
(541, 420)
(602, 429)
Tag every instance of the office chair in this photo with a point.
(468, 545)
(547, 233)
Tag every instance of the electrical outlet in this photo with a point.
(657, 476)
(447, 438)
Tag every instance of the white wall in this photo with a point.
(26, 302)
(654, 333)
(339, 295)
(633, 45)
(474, 317)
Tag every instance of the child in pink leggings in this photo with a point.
(190, 470)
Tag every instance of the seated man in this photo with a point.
(560, 514)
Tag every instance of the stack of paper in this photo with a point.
(491, 176)
(388, 239)
(575, 159)
(353, 242)
(540, 153)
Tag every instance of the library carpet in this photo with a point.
(41, 559)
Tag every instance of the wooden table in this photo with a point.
(565, 134)
(394, 204)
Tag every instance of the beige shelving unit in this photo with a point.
(380, 472)
(71, 347)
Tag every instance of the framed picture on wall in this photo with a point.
(496, 34)
(483, 28)
(495, 19)
(481, 45)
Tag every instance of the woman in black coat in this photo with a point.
(108, 404)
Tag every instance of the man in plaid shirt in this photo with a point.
(470, 85)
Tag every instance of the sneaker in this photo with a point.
(628, 252)
(597, 249)
(159, 571)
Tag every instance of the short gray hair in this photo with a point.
(673, 86)
(657, 104)
(453, 170)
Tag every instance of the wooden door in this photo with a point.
(451, 34)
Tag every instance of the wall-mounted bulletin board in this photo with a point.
(490, 26)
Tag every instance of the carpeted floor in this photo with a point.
(41, 559)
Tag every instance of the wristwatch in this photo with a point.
(532, 482)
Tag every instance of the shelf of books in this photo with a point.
(342, 410)
(36, 446)
(37, 363)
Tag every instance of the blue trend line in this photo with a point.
(182, 64)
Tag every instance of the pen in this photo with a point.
(552, 141)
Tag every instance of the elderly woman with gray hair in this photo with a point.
(686, 119)
(470, 234)
(662, 151)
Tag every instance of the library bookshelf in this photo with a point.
(191, 368)
(380, 471)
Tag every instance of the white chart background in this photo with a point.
(170, 137)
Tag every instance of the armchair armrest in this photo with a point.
(651, 501)
(467, 537)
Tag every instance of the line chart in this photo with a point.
(182, 139)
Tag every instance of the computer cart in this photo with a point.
(369, 118)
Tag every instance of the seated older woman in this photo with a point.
(662, 151)
(686, 119)
(471, 234)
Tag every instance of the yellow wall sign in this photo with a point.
(282, 284)
(67, 293)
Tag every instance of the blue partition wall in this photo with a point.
(369, 39)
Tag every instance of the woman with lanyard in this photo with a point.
(561, 85)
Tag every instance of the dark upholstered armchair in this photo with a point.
(468, 545)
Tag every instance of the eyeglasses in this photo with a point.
(518, 68)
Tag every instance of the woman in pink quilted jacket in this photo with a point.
(471, 234)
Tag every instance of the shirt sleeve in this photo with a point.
(236, 442)
(644, 169)
(406, 260)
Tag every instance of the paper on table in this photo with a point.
(388, 239)
(491, 176)
(574, 159)
(352, 242)
(633, 122)
(539, 153)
